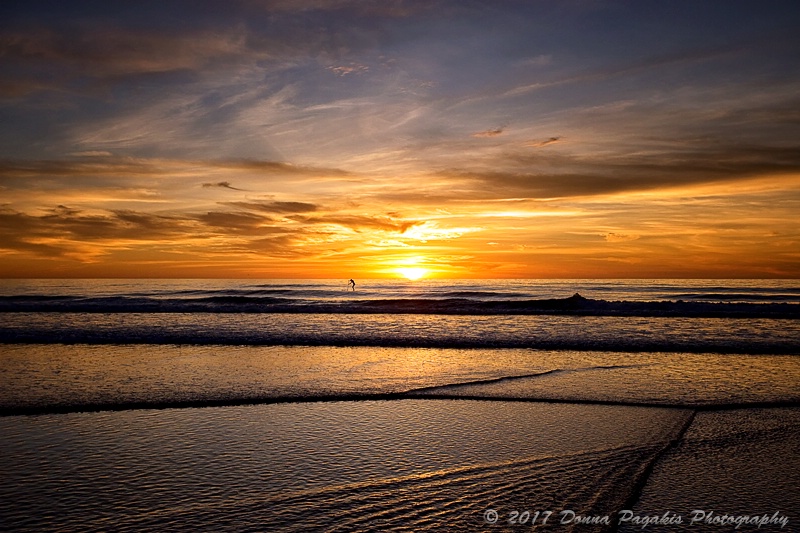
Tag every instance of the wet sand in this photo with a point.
(412, 465)
(400, 465)
(210, 438)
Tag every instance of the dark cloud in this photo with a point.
(276, 207)
(77, 235)
(63, 211)
(23, 232)
(358, 222)
(56, 57)
(276, 167)
(152, 224)
(586, 176)
(237, 222)
(90, 167)
(221, 184)
(546, 142)
(74, 234)
(123, 167)
(53, 47)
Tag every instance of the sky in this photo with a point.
(367, 139)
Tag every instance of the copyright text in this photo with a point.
(696, 517)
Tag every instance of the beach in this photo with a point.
(399, 265)
(397, 422)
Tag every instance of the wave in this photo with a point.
(422, 394)
(408, 328)
(738, 296)
(485, 294)
(463, 305)
(572, 341)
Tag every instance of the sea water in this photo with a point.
(409, 406)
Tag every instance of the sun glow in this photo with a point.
(412, 273)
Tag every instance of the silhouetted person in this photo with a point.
(352, 285)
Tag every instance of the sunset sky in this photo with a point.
(343, 138)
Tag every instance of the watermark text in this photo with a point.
(697, 517)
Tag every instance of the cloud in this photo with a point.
(42, 168)
(490, 133)
(344, 70)
(73, 233)
(63, 211)
(637, 66)
(240, 223)
(546, 142)
(154, 224)
(246, 98)
(110, 52)
(44, 53)
(358, 222)
(83, 236)
(91, 153)
(285, 246)
(275, 167)
(429, 231)
(129, 167)
(221, 184)
(620, 237)
(562, 175)
(276, 207)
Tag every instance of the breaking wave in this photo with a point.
(466, 303)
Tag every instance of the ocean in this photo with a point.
(428, 405)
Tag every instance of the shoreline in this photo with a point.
(59, 409)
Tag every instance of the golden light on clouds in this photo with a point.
(281, 146)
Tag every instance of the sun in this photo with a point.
(412, 273)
